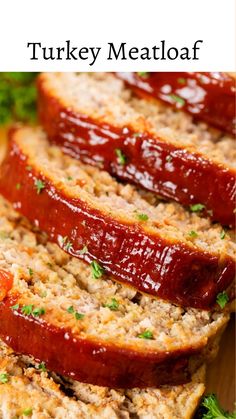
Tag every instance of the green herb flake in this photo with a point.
(214, 411)
(31, 272)
(83, 250)
(177, 99)
(27, 310)
(142, 217)
(15, 307)
(38, 312)
(67, 245)
(197, 207)
(222, 235)
(193, 234)
(39, 185)
(18, 186)
(181, 80)
(27, 412)
(79, 316)
(143, 74)
(69, 178)
(97, 270)
(71, 310)
(222, 299)
(30, 310)
(121, 158)
(42, 367)
(147, 334)
(4, 235)
(3, 378)
(113, 305)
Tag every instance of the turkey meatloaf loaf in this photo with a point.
(95, 118)
(157, 247)
(56, 308)
(207, 96)
(28, 389)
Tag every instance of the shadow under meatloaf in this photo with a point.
(95, 118)
(159, 248)
(29, 387)
(207, 96)
(93, 330)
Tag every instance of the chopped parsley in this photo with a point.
(4, 235)
(42, 367)
(181, 80)
(38, 312)
(177, 99)
(77, 315)
(69, 178)
(31, 272)
(39, 185)
(97, 270)
(67, 245)
(28, 310)
(3, 378)
(193, 234)
(144, 74)
(147, 334)
(197, 207)
(121, 158)
(27, 412)
(17, 97)
(222, 235)
(83, 250)
(222, 299)
(15, 307)
(113, 305)
(214, 411)
(18, 186)
(142, 217)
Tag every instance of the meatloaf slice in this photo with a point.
(95, 118)
(55, 308)
(159, 248)
(28, 389)
(207, 96)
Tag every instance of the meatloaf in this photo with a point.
(27, 388)
(157, 247)
(207, 96)
(95, 118)
(57, 309)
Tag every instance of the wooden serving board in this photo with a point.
(220, 377)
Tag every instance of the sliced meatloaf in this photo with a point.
(28, 389)
(57, 309)
(207, 96)
(157, 247)
(95, 118)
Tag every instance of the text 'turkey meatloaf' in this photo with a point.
(28, 389)
(158, 248)
(56, 308)
(95, 118)
(207, 96)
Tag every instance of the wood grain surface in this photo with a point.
(221, 372)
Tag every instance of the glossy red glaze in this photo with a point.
(6, 283)
(207, 96)
(168, 170)
(149, 262)
(92, 361)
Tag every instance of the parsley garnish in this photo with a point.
(113, 305)
(120, 156)
(42, 367)
(77, 315)
(15, 307)
(214, 411)
(142, 217)
(97, 270)
(66, 243)
(147, 334)
(144, 74)
(192, 233)
(69, 178)
(3, 378)
(27, 310)
(38, 312)
(39, 185)
(31, 272)
(83, 250)
(222, 235)
(222, 299)
(177, 99)
(18, 186)
(197, 207)
(181, 80)
(4, 235)
(17, 97)
(30, 310)
(27, 412)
